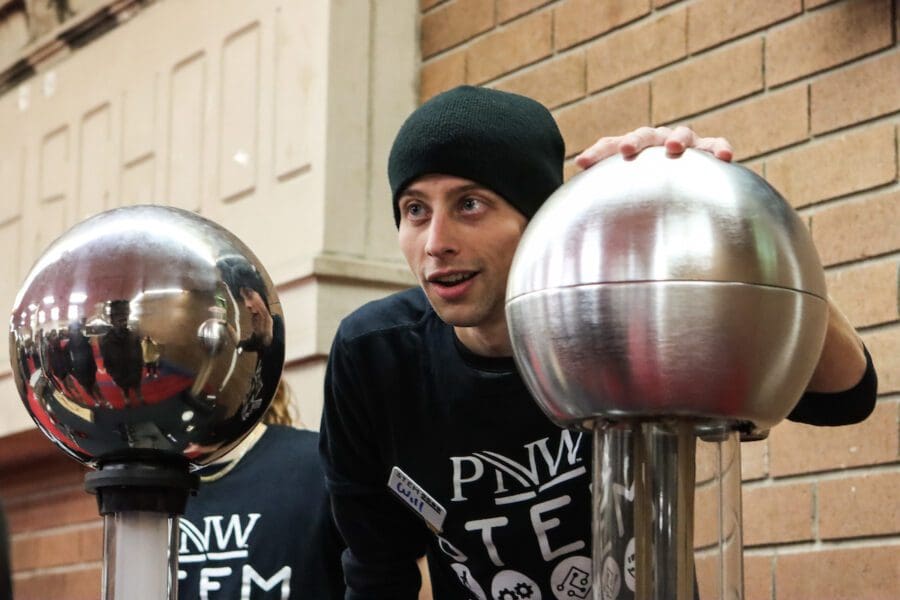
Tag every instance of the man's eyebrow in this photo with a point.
(458, 189)
(469, 187)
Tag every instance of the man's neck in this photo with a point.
(490, 341)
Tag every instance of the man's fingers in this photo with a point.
(641, 138)
(718, 147)
(680, 138)
(602, 148)
(674, 140)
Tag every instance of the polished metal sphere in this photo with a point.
(666, 287)
(147, 332)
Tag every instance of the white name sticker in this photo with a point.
(417, 499)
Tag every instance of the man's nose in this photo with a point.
(441, 236)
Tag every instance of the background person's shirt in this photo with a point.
(264, 530)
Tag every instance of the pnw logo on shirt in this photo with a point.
(220, 548)
(517, 480)
(523, 503)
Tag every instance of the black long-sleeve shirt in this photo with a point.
(402, 391)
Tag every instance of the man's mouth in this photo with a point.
(451, 279)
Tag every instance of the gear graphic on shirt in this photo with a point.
(524, 590)
(513, 585)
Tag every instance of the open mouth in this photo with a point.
(451, 280)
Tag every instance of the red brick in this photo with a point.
(707, 574)
(77, 584)
(612, 113)
(897, 24)
(836, 166)
(579, 20)
(760, 124)
(429, 4)
(826, 38)
(754, 460)
(552, 82)
(714, 21)
(796, 448)
(757, 166)
(707, 81)
(859, 228)
(455, 22)
(706, 568)
(637, 49)
(867, 293)
(84, 544)
(442, 74)
(706, 529)
(706, 462)
(869, 573)
(523, 42)
(859, 506)
(759, 577)
(26, 447)
(41, 476)
(776, 514)
(856, 93)
(510, 9)
(54, 509)
(884, 346)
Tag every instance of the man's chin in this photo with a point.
(455, 315)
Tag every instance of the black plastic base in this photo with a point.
(123, 486)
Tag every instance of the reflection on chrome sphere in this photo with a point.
(660, 287)
(147, 331)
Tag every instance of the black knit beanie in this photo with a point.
(505, 142)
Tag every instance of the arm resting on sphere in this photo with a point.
(844, 386)
(842, 362)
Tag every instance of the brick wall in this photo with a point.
(56, 535)
(808, 92)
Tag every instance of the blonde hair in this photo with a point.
(281, 410)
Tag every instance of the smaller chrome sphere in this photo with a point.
(147, 332)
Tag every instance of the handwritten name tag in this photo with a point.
(417, 499)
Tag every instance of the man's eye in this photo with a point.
(414, 210)
(471, 204)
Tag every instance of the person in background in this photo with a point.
(123, 359)
(260, 526)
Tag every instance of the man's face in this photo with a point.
(119, 319)
(459, 239)
(254, 303)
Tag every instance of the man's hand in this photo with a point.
(675, 141)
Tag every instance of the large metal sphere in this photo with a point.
(660, 287)
(147, 332)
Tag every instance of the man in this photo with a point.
(423, 403)
(244, 282)
(123, 358)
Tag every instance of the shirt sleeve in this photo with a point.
(383, 537)
(840, 408)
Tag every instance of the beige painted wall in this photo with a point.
(271, 117)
